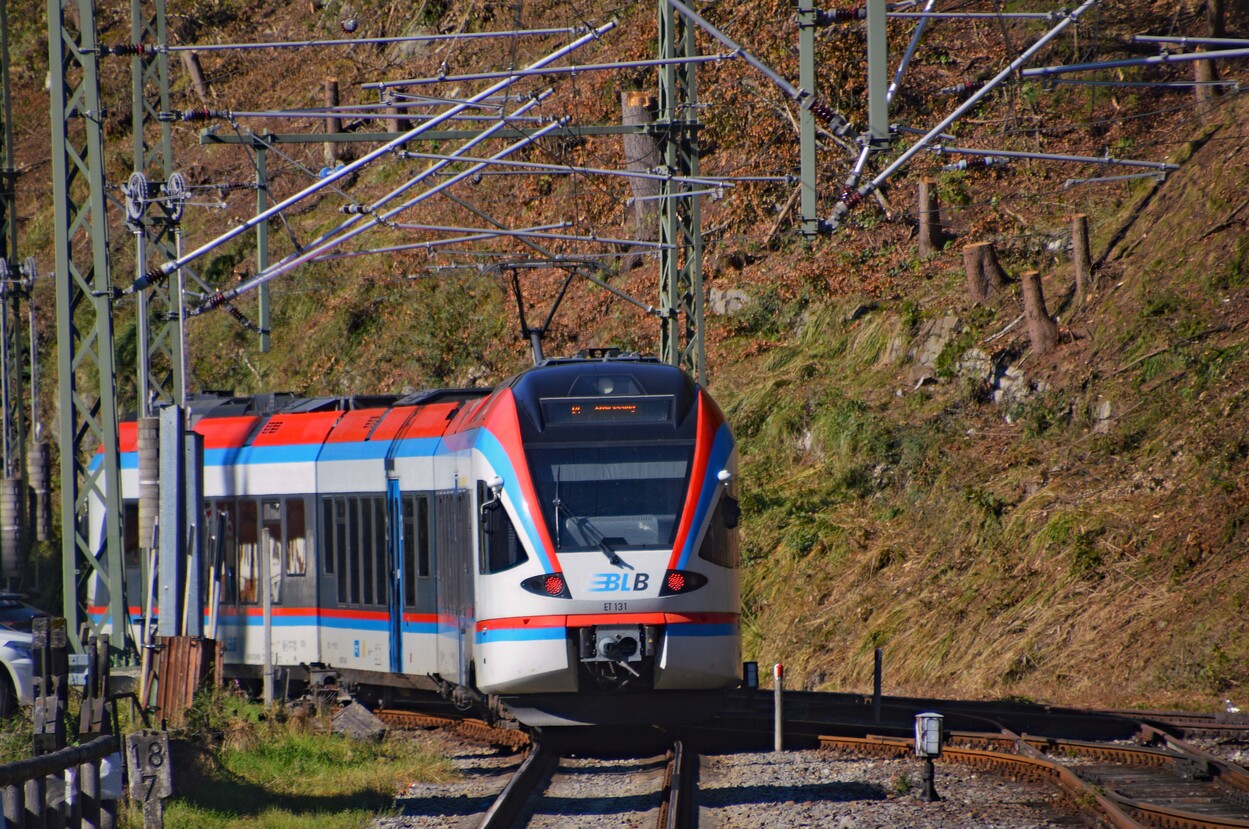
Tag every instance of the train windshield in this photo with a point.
(612, 496)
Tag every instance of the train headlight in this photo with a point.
(681, 581)
(551, 585)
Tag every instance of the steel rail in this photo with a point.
(534, 771)
(679, 810)
(346, 170)
(1080, 793)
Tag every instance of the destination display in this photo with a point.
(567, 410)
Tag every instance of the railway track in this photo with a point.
(552, 789)
(1128, 787)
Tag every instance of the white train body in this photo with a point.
(566, 544)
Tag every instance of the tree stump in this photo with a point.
(641, 155)
(1081, 256)
(930, 235)
(985, 276)
(1042, 329)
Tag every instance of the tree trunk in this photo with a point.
(333, 124)
(1204, 74)
(930, 236)
(641, 155)
(1042, 329)
(985, 276)
(1081, 256)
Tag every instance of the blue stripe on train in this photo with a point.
(302, 453)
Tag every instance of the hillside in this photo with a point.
(1070, 526)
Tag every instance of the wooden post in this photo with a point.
(1081, 256)
(333, 124)
(1204, 74)
(190, 62)
(930, 236)
(1042, 329)
(394, 124)
(151, 778)
(985, 276)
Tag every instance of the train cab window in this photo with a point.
(500, 548)
(720, 543)
(271, 546)
(296, 538)
(248, 554)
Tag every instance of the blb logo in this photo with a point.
(619, 582)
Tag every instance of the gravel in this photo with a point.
(760, 789)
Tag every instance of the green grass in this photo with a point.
(285, 773)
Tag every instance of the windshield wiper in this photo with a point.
(590, 531)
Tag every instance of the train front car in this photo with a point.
(608, 586)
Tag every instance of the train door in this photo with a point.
(456, 622)
(395, 571)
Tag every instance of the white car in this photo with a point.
(16, 666)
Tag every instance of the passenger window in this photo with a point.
(249, 554)
(271, 540)
(296, 541)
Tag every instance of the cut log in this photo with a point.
(985, 276)
(190, 62)
(1042, 329)
(930, 235)
(1081, 256)
(333, 124)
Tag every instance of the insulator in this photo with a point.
(154, 276)
(202, 115)
(353, 209)
(850, 198)
(124, 49)
(242, 319)
(215, 301)
(961, 88)
(840, 16)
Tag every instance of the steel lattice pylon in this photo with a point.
(84, 325)
(681, 257)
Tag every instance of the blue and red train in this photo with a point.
(563, 546)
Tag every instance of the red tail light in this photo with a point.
(548, 584)
(681, 581)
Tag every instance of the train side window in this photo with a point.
(249, 554)
(296, 538)
(500, 548)
(271, 545)
(327, 535)
(342, 532)
(422, 536)
(353, 533)
(409, 550)
(367, 553)
(229, 553)
(130, 532)
(381, 555)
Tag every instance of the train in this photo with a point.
(562, 549)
